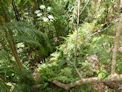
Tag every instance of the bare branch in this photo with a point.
(112, 78)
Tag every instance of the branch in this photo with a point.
(16, 12)
(111, 78)
(12, 46)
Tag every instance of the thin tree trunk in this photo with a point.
(12, 46)
(116, 46)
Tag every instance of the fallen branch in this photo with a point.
(111, 78)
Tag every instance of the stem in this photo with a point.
(76, 49)
(12, 46)
(15, 11)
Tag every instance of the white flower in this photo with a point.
(65, 0)
(43, 65)
(45, 19)
(12, 58)
(19, 50)
(49, 8)
(50, 17)
(20, 45)
(9, 84)
(120, 49)
(26, 13)
(39, 14)
(42, 7)
(12, 74)
(37, 11)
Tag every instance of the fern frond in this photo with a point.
(26, 33)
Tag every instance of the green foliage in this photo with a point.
(23, 33)
(61, 65)
(78, 50)
(3, 86)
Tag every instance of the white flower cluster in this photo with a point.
(20, 47)
(40, 14)
(42, 7)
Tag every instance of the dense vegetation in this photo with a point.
(60, 46)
